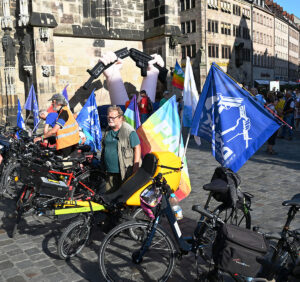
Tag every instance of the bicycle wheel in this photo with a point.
(118, 247)
(285, 260)
(11, 180)
(237, 216)
(73, 238)
(139, 216)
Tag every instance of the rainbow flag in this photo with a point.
(132, 114)
(161, 132)
(178, 77)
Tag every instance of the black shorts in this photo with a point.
(65, 152)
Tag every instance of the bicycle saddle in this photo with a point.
(135, 182)
(216, 185)
(295, 201)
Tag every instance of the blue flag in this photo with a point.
(88, 120)
(132, 114)
(231, 119)
(65, 93)
(20, 119)
(32, 105)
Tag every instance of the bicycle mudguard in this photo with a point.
(169, 165)
(71, 207)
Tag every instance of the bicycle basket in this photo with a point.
(150, 198)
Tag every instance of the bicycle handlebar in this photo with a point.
(206, 213)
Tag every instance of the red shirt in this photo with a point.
(144, 110)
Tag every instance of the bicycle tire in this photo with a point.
(117, 248)
(285, 261)
(139, 216)
(73, 239)
(10, 186)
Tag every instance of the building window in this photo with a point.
(226, 52)
(236, 30)
(212, 26)
(193, 3)
(188, 50)
(212, 4)
(246, 13)
(213, 50)
(236, 9)
(188, 27)
(187, 4)
(182, 5)
(225, 7)
(226, 28)
(90, 8)
(193, 50)
(183, 56)
(183, 28)
(193, 26)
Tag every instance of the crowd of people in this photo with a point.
(287, 106)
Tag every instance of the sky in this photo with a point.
(291, 6)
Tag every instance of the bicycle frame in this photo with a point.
(164, 208)
(71, 176)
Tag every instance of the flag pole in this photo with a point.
(36, 125)
(27, 118)
(187, 142)
(181, 123)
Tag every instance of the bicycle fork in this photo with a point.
(137, 257)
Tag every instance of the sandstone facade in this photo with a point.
(62, 39)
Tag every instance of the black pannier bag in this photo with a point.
(236, 250)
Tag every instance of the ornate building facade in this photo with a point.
(51, 44)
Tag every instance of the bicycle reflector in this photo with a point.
(150, 198)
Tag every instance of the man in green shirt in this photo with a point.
(121, 149)
(164, 99)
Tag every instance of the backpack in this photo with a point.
(149, 105)
(233, 180)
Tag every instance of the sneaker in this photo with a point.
(272, 153)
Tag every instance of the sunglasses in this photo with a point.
(113, 118)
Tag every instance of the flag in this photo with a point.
(132, 114)
(65, 93)
(20, 119)
(88, 119)
(178, 76)
(190, 95)
(32, 105)
(231, 119)
(161, 132)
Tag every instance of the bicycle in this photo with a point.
(124, 204)
(47, 189)
(152, 254)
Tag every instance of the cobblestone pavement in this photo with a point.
(32, 255)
